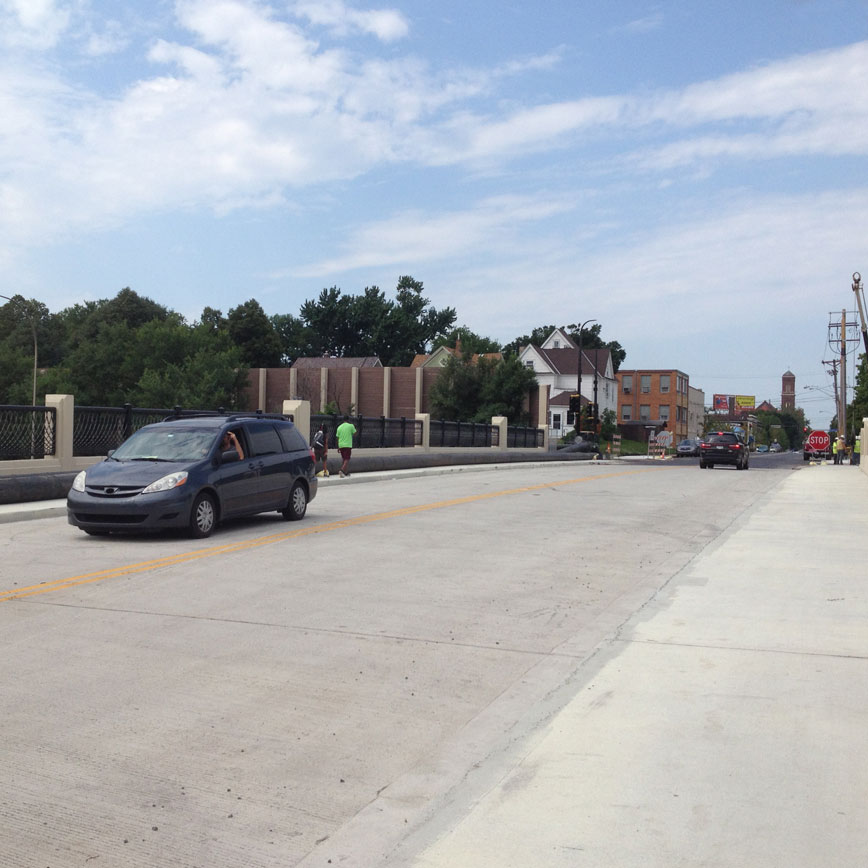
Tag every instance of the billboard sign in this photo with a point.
(721, 402)
(745, 402)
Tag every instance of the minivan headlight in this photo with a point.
(173, 480)
(78, 482)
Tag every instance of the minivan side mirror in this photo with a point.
(229, 456)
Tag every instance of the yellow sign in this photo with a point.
(745, 402)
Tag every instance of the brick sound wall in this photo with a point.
(403, 393)
(370, 392)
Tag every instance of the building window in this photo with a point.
(556, 421)
(529, 365)
(645, 382)
(557, 345)
(645, 412)
(665, 383)
(626, 413)
(663, 410)
(627, 383)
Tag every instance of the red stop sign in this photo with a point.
(818, 440)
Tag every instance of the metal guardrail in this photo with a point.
(372, 432)
(27, 432)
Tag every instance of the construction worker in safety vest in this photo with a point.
(835, 458)
(856, 457)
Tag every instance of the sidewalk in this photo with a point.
(725, 724)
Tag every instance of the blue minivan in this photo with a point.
(182, 473)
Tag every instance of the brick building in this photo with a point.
(652, 399)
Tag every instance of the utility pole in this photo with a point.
(579, 384)
(842, 416)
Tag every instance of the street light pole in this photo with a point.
(35, 349)
(579, 389)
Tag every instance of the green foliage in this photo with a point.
(474, 392)
(608, 424)
(858, 410)
(254, 334)
(365, 325)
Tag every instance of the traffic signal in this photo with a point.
(575, 402)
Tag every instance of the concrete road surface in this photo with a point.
(580, 665)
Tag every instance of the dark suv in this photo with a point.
(182, 472)
(724, 447)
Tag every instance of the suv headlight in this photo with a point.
(78, 482)
(173, 480)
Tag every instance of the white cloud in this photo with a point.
(414, 237)
(33, 24)
(387, 25)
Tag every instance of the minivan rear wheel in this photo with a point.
(296, 507)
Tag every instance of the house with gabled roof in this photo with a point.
(441, 355)
(556, 364)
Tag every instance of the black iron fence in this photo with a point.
(469, 434)
(96, 430)
(372, 432)
(522, 436)
(27, 432)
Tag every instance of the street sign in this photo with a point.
(818, 441)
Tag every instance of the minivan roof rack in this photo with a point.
(227, 417)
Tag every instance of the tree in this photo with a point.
(253, 333)
(858, 410)
(365, 325)
(468, 391)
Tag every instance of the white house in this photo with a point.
(556, 365)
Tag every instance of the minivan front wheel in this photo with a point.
(203, 516)
(297, 505)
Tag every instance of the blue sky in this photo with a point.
(691, 175)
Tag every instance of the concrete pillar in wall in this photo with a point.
(418, 390)
(387, 392)
(501, 423)
(543, 414)
(323, 388)
(300, 412)
(263, 383)
(293, 382)
(354, 389)
(64, 407)
(425, 418)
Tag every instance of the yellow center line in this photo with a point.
(244, 545)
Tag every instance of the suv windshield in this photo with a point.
(166, 444)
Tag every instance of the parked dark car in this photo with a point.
(688, 448)
(724, 447)
(182, 473)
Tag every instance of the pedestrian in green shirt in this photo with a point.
(346, 431)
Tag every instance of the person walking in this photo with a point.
(345, 433)
(321, 450)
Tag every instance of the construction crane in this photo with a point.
(860, 303)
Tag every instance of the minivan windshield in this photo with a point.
(166, 444)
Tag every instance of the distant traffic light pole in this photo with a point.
(579, 414)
